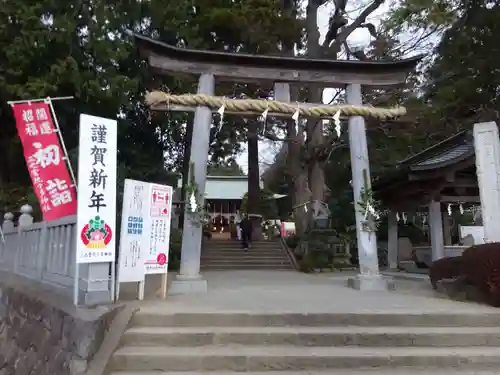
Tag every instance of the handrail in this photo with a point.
(288, 251)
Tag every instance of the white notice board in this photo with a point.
(145, 230)
(133, 237)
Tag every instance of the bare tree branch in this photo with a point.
(349, 29)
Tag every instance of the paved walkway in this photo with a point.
(291, 291)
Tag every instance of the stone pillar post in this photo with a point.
(487, 147)
(189, 279)
(436, 230)
(392, 241)
(8, 222)
(26, 219)
(447, 229)
(369, 277)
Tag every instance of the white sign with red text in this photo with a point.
(160, 201)
(145, 230)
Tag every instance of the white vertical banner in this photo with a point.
(97, 167)
(160, 214)
(134, 233)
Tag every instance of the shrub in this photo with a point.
(305, 264)
(174, 256)
(292, 241)
(445, 268)
(481, 267)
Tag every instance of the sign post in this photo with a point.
(97, 165)
(145, 233)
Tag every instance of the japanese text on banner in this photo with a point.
(96, 190)
(45, 160)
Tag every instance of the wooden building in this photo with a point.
(430, 181)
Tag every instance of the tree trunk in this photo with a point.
(253, 168)
(185, 166)
(253, 203)
(315, 173)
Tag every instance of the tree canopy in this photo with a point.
(65, 48)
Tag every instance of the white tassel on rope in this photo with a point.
(373, 211)
(461, 208)
(449, 210)
(336, 119)
(295, 118)
(405, 219)
(192, 203)
(220, 111)
(397, 217)
(264, 115)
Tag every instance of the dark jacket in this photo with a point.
(246, 225)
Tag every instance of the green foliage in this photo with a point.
(268, 207)
(225, 168)
(174, 257)
(422, 14)
(305, 264)
(292, 241)
(58, 48)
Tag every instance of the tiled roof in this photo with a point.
(453, 155)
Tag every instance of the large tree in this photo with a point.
(57, 48)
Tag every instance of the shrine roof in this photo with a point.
(453, 150)
(152, 46)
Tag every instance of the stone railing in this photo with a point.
(45, 252)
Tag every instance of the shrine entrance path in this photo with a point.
(294, 292)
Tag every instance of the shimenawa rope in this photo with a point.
(257, 106)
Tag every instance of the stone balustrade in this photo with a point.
(45, 252)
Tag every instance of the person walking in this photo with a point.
(237, 220)
(246, 232)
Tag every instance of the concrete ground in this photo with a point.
(291, 291)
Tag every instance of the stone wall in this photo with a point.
(42, 333)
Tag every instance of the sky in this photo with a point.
(359, 37)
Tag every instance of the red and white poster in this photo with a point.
(159, 228)
(45, 160)
(160, 204)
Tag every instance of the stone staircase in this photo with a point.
(228, 255)
(305, 344)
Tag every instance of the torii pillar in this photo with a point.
(487, 150)
(369, 277)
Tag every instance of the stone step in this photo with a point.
(151, 317)
(238, 248)
(243, 255)
(314, 336)
(265, 358)
(363, 371)
(260, 244)
(247, 259)
(243, 266)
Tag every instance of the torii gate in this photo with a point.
(281, 71)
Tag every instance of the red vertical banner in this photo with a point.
(45, 160)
